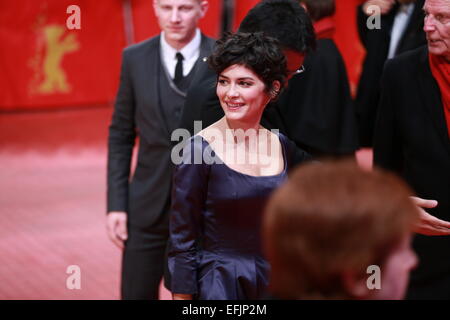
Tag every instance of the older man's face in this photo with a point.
(437, 27)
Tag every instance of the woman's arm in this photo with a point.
(189, 190)
(179, 296)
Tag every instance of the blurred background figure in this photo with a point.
(317, 108)
(412, 138)
(400, 30)
(331, 224)
(156, 74)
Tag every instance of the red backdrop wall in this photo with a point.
(45, 65)
(347, 39)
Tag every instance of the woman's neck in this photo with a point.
(239, 125)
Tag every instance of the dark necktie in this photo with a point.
(179, 68)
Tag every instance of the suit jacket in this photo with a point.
(315, 111)
(411, 138)
(138, 112)
(376, 43)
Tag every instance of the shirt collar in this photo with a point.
(189, 51)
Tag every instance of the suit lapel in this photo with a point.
(431, 99)
(202, 64)
(152, 68)
(205, 47)
(411, 27)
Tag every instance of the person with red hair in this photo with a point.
(332, 226)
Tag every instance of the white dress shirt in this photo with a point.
(400, 23)
(190, 52)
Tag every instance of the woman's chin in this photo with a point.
(234, 114)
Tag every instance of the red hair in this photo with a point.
(331, 218)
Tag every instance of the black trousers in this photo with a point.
(144, 262)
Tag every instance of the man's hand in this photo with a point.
(116, 226)
(180, 296)
(429, 225)
(384, 5)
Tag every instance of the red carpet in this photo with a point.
(52, 202)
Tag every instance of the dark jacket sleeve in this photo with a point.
(190, 183)
(361, 19)
(295, 155)
(387, 146)
(298, 156)
(121, 140)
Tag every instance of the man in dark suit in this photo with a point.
(412, 138)
(155, 77)
(400, 30)
(284, 20)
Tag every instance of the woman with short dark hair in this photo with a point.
(227, 172)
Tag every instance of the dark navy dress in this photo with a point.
(215, 227)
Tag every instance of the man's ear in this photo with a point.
(355, 285)
(155, 7)
(204, 5)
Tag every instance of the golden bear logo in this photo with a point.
(56, 47)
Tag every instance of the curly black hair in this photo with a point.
(256, 51)
(284, 20)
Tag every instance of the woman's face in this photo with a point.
(242, 94)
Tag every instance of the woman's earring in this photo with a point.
(273, 94)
